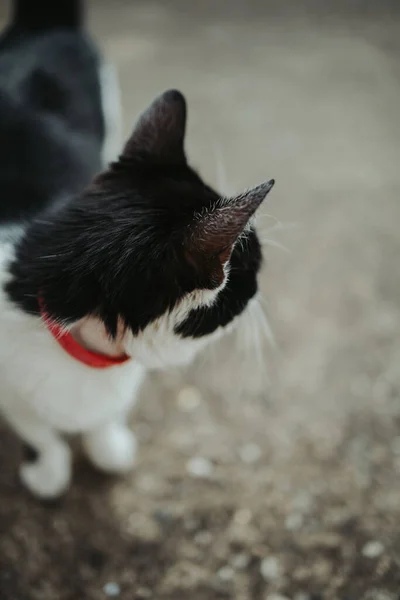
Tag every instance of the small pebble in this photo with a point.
(203, 538)
(200, 467)
(383, 566)
(163, 517)
(143, 526)
(191, 524)
(112, 589)
(148, 483)
(189, 398)
(373, 549)
(270, 568)
(240, 561)
(143, 592)
(250, 453)
(294, 521)
(226, 573)
(301, 573)
(302, 501)
(276, 597)
(302, 596)
(322, 569)
(243, 516)
(376, 594)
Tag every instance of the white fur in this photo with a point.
(111, 447)
(45, 392)
(112, 113)
(158, 347)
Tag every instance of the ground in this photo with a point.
(248, 487)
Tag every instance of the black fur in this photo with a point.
(39, 16)
(144, 233)
(51, 123)
(116, 251)
(241, 287)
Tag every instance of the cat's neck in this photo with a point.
(90, 333)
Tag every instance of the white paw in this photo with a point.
(49, 476)
(111, 448)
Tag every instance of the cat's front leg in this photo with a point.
(111, 447)
(50, 474)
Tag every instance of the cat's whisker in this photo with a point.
(207, 356)
(263, 216)
(264, 302)
(250, 331)
(240, 335)
(282, 226)
(249, 338)
(221, 172)
(274, 244)
(48, 256)
(243, 335)
(43, 222)
(265, 326)
(263, 372)
(259, 346)
(241, 240)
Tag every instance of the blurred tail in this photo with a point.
(43, 15)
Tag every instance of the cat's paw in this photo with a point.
(50, 475)
(111, 448)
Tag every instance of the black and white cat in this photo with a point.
(103, 275)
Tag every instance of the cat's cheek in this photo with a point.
(168, 350)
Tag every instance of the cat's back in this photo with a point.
(51, 122)
(53, 73)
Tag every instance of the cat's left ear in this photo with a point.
(160, 130)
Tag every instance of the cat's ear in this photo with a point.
(160, 130)
(215, 232)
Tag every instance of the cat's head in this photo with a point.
(152, 249)
(190, 258)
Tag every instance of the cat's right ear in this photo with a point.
(211, 237)
(160, 130)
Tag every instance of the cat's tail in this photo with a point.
(42, 15)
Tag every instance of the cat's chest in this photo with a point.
(69, 395)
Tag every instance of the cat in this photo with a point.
(110, 265)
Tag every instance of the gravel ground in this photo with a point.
(266, 474)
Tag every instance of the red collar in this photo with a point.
(78, 352)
